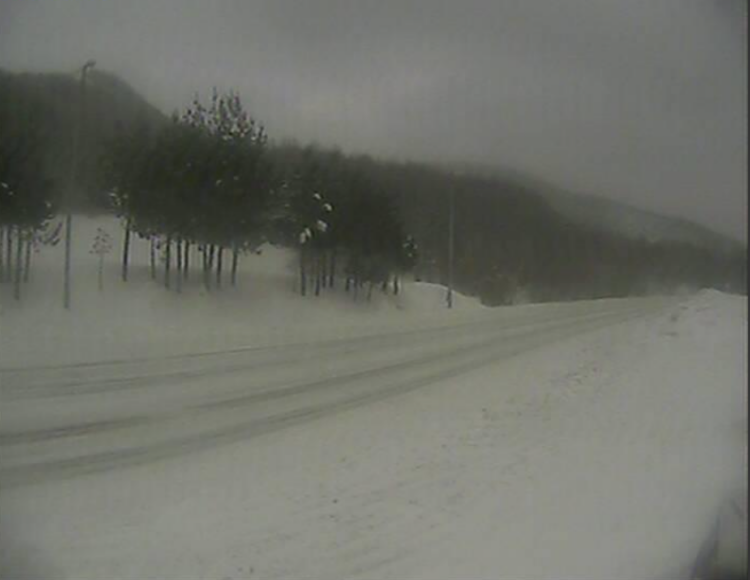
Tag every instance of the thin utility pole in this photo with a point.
(72, 182)
(451, 227)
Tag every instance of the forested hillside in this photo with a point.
(48, 105)
(365, 219)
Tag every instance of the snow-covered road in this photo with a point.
(587, 440)
(66, 420)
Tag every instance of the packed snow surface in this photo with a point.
(252, 433)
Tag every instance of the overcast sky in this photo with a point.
(639, 100)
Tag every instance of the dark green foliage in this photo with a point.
(54, 100)
(340, 219)
(209, 182)
(200, 179)
(27, 197)
(509, 244)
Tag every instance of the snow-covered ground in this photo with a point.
(256, 434)
(142, 319)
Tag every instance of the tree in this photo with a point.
(200, 180)
(101, 246)
(122, 174)
(27, 200)
(302, 217)
(228, 182)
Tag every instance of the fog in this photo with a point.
(640, 101)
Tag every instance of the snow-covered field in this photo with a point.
(257, 434)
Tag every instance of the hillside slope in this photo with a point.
(49, 104)
(635, 223)
(609, 215)
(516, 239)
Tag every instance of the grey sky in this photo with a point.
(639, 100)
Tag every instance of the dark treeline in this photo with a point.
(207, 181)
(197, 182)
(53, 102)
(207, 186)
(510, 244)
(342, 220)
(28, 198)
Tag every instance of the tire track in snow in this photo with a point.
(228, 387)
(20, 383)
(429, 370)
(270, 391)
(305, 345)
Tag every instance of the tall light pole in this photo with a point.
(72, 181)
(451, 228)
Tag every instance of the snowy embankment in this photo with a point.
(589, 440)
(142, 319)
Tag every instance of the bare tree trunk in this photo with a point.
(179, 268)
(100, 273)
(2, 254)
(369, 291)
(395, 285)
(235, 261)
(302, 273)
(317, 275)
(348, 284)
(384, 285)
(153, 257)
(207, 259)
(202, 257)
(219, 263)
(9, 252)
(18, 265)
(324, 270)
(211, 253)
(67, 282)
(186, 260)
(126, 251)
(206, 277)
(168, 262)
(27, 259)
(332, 270)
